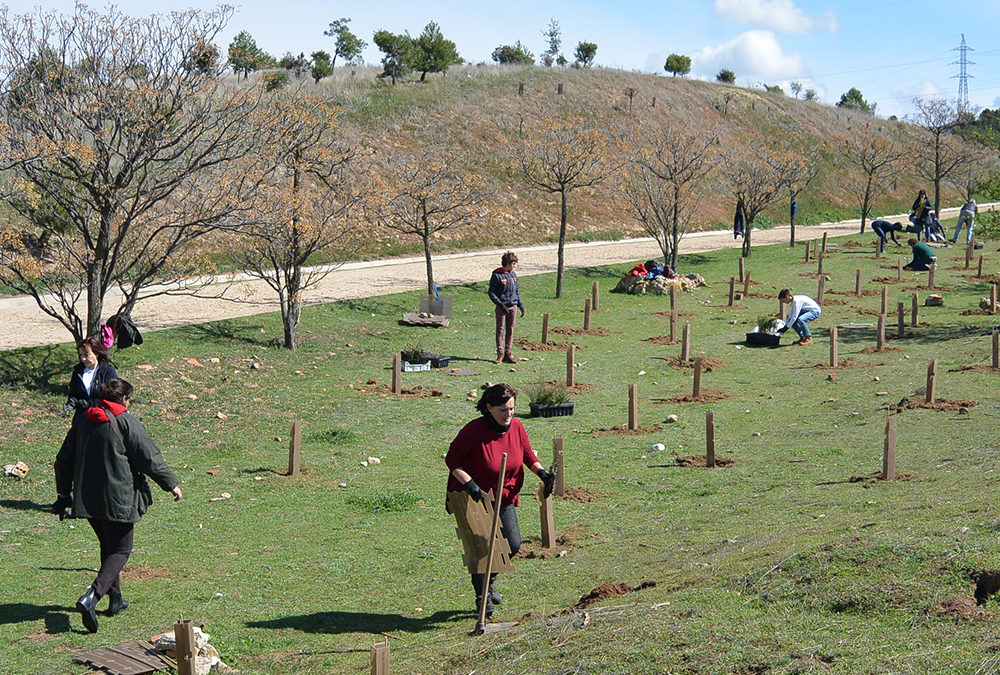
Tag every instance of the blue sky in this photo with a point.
(892, 51)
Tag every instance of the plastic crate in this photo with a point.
(416, 367)
(763, 340)
(551, 409)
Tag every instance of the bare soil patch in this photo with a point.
(562, 330)
(565, 542)
(662, 340)
(707, 364)
(374, 388)
(40, 636)
(583, 388)
(978, 368)
(679, 314)
(941, 405)
(978, 312)
(937, 288)
(895, 336)
(622, 430)
(698, 461)
(847, 364)
(853, 244)
(532, 346)
(707, 396)
(960, 607)
(579, 495)
(610, 590)
(887, 280)
(876, 477)
(141, 572)
(875, 350)
(833, 301)
(864, 293)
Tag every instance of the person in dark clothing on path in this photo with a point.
(507, 300)
(101, 474)
(473, 461)
(923, 256)
(93, 370)
(883, 228)
(738, 221)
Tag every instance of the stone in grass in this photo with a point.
(671, 419)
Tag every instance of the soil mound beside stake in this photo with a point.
(532, 346)
(978, 368)
(661, 340)
(707, 364)
(622, 430)
(846, 364)
(562, 330)
(698, 461)
(373, 388)
(876, 477)
(579, 495)
(610, 590)
(941, 405)
(707, 396)
(960, 608)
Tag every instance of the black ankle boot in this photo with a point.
(116, 603)
(495, 596)
(86, 605)
(490, 609)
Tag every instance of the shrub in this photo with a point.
(416, 353)
(276, 79)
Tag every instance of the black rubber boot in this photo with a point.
(490, 609)
(116, 603)
(86, 605)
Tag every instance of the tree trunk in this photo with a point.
(562, 244)
(95, 274)
(791, 219)
(748, 228)
(426, 236)
(675, 230)
(864, 203)
(290, 318)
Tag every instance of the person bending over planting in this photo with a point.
(803, 310)
(474, 459)
(923, 256)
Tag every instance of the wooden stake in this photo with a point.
(885, 300)
(889, 450)
(742, 268)
(930, 276)
(807, 249)
(900, 321)
(185, 648)
(295, 448)
(878, 250)
(857, 282)
(979, 272)
(913, 311)
(931, 380)
(560, 467)
(834, 358)
(380, 653)
(996, 349)
(673, 296)
(545, 328)
(548, 524)
(633, 407)
(559, 89)
(570, 365)
(586, 314)
(520, 88)
(899, 269)
(824, 243)
(686, 343)
(710, 439)
(819, 263)
(880, 338)
(993, 298)
(732, 291)
(819, 293)
(481, 626)
(397, 373)
(968, 255)
(595, 295)
(673, 325)
(746, 284)
(696, 389)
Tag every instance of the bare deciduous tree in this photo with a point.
(877, 157)
(753, 177)
(798, 169)
(942, 150)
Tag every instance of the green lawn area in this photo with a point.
(777, 563)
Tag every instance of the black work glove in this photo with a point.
(60, 505)
(522, 312)
(473, 489)
(548, 480)
(782, 329)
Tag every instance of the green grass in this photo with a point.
(775, 564)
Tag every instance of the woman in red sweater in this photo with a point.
(474, 458)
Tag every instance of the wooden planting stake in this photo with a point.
(586, 314)
(295, 448)
(993, 298)
(930, 276)
(880, 339)
(686, 343)
(819, 263)
(673, 325)
(710, 439)
(560, 467)
(819, 293)
(545, 328)
(931, 380)
(899, 269)
(746, 284)
(968, 255)
(673, 296)
(481, 625)
(595, 295)
(857, 282)
(889, 450)
(397, 373)
(570, 365)
(979, 272)
(996, 349)
(900, 321)
(732, 290)
(696, 389)
(380, 653)
(545, 517)
(913, 311)
(807, 249)
(878, 250)
(834, 360)
(185, 646)
(742, 267)
(824, 243)
(633, 407)
(885, 300)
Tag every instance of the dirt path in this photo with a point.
(25, 325)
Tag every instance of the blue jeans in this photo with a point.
(800, 324)
(969, 220)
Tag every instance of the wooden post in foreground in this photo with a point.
(819, 263)
(913, 311)
(930, 276)
(889, 450)
(710, 439)
(880, 338)
(931, 380)
(979, 271)
(185, 648)
(993, 298)
(586, 314)
(545, 328)
(834, 358)
(397, 373)
(673, 296)
(878, 250)
(996, 349)
(673, 325)
(545, 517)
(899, 269)
(968, 255)
(824, 243)
(380, 653)
(570, 365)
(900, 321)
(820, 290)
(885, 300)
(686, 343)
(732, 290)
(595, 295)
(559, 464)
(295, 448)
(696, 389)
(633, 407)
(807, 249)
(742, 268)
(857, 282)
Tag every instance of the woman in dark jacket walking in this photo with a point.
(93, 370)
(101, 474)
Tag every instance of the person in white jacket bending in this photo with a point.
(803, 310)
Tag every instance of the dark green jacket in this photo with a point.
(106, 471)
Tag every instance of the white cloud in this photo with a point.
(781, 15)
(754, 55)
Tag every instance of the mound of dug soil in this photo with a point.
(532, 346)
(941, 405)
(696, 461)
(579, 495)
(373, 388)
(707, 364)
(978, 368)
(706, 396)
(961, 608)
(610, 590)
(562, 330)
(662, 340)
(876, 477)
(846, 364)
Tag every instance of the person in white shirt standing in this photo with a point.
(803, 310)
